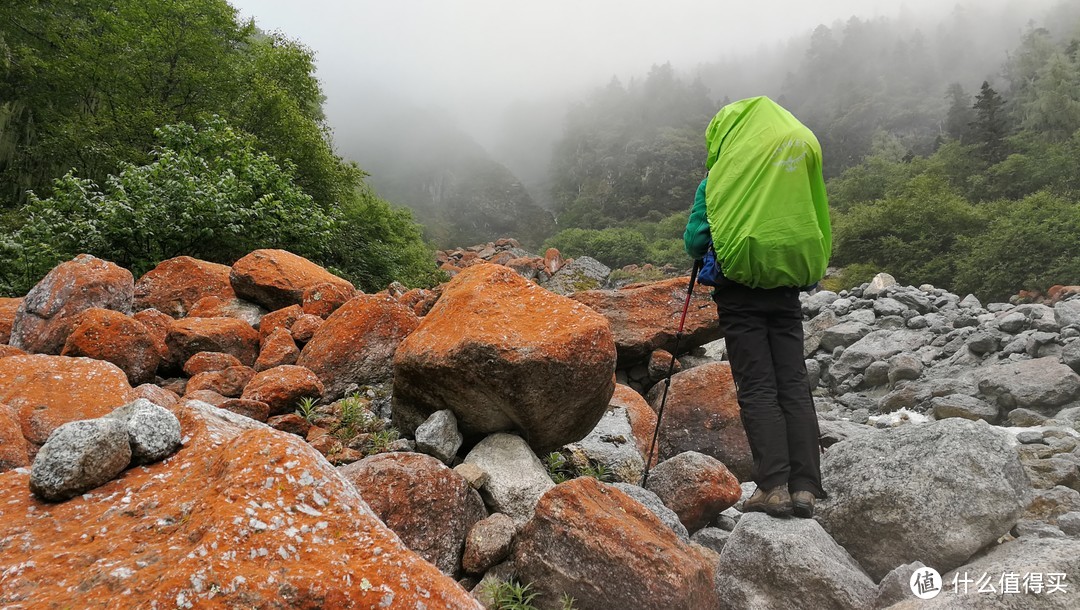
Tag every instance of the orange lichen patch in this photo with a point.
(324, 299)
(207, 362)
(8, 350)
(702, 414)
(278, 348)
(492, 305)
(281, 318)
(45, 317)
(596, 544)
(642, 419)
(645, 317)
(241, 516)
(155, 394)
(356, 344)
(157, 324)
(229, 382)
(283, 387)
(111, 336)
(8, 307)
(48, 391)
(277, 278)
(175, 285)
(14, 451)
(305, 327)
(190, 336)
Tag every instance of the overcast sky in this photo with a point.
(473, 57)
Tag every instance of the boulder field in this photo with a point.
(265, 435)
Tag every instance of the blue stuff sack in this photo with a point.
(710, 273)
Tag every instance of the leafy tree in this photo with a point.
(1029, 244)
(207, 193)
(913, 235)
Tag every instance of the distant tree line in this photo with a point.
(142, 129)
(974, 190)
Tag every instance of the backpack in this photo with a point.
(765, 197)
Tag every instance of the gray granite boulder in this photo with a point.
(804, 564)
(78, 457)
(153, 431)
(516, 480)
(438, 436)
(936, 492)
(1043, 384)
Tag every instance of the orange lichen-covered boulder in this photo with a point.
(506, 355)
(277, 278)
(702, 414)
(229, 382)
(645, 317)
(155, 394)
(208, 362)
(14, 450)
(278, 348)
(356, 344)
(8, 307)
(47, 391)
(696, 486)
(175, 285)
(324, 299)
(594, 543)
(306, 327)
(190, 336)
(241, 516)
(429, 505)
(283, 387)
(111, 336)
(45, 317)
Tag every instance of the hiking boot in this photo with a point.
(776, 502)
(802, 503)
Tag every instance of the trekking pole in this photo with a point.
(671, 369)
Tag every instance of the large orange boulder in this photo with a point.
(111, 336)
(47, 391)
(175, 285)
(506, 355)
(241, 516)
(696, 486)
(283, 387)
(356, 344)
(702, 414)
(45, 317)
(277, 278)
(594, 543)
(14, 450)
(427, 504)
(8, 307)
(645, 317)
(190, 336)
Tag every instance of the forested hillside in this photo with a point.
(951, 148)
(137, 130)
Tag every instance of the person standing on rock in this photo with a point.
(760, 224)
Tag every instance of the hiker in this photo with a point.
(760, 221)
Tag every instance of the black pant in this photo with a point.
(764, 335)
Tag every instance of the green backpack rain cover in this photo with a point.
(765, 196)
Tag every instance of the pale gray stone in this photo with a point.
(842, 335)
(896, 586)
(937, 492)
(1013, 322)
(517, 478)
(712, 538)
(1067, 313)
(1042, 385)
(970, 302)
(967, 407)
(805, 564)
(879, 285)
(79, 456)
(611, 445)
(438, 436)
(153, 431)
